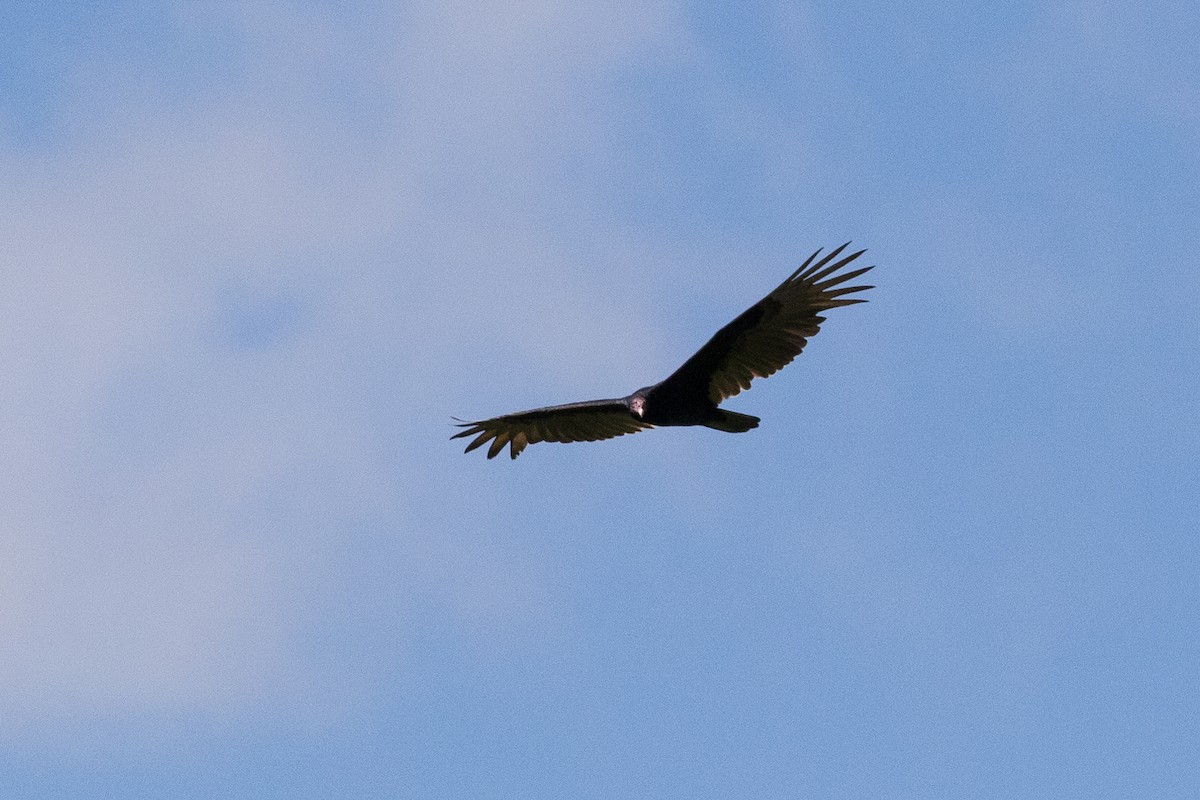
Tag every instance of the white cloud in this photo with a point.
(172, 506)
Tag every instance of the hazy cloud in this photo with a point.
(204, 302)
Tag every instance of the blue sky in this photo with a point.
(256, 255)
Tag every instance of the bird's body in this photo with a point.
(663, 405)
(758, 343)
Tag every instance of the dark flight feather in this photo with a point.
(762, 340)
(767, 336)
(574, 422)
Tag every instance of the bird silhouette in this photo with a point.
(758, 343)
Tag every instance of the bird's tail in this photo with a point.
(732, 422)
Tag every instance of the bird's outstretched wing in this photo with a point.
(574, 422)
(768, 335)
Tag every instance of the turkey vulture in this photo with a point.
(760, 342)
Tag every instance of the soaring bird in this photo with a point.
(760, 342)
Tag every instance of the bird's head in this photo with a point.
(637, 404)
